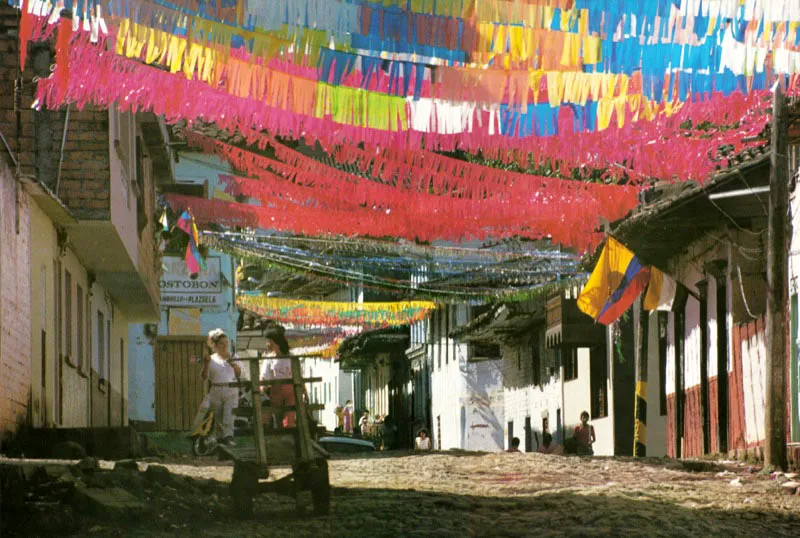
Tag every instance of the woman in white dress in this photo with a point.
(220, 369)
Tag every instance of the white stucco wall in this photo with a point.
(656, 422)
(123, 198)
(447, 386)
(326, 391)
(482, 400)
(522, 399)
(754, 356)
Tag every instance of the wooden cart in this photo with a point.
(295, 447)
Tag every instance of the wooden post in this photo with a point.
(705, 415)
(258, 419)
(777, 270)
(640, 403)
(679, 330)
(304, 449)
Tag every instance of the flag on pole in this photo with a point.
(201, 261)
(192, 264)
(617, 280)
(185, 222)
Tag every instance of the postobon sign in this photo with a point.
(179, 290)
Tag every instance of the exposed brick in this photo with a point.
(86, 153)
(15, 309)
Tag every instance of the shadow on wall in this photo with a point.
(12, 440)
(482, 379)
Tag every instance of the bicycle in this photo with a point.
(204, 437)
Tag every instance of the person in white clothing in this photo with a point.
(220, 369)
(363, 424)
(422, 442)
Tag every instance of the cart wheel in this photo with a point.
(302, 500)
(243, 488)
(204, 445)
(320, 488)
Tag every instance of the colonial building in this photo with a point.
(385, 378)
(79, 229)
(162, 354)
(555, 364)
(711, 239)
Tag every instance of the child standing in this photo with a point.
(584, 436)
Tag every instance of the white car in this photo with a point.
(345, 445)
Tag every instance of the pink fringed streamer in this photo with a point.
(642, 149)
(515, 205)
(480, 183)
(285, 215)
(26, 23)
(61, 73)
(419, 216)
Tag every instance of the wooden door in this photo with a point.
(179, 387)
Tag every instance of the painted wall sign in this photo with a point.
(183, 321)
(178, 289)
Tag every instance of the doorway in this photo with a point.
(722, 365)
(528, 435)
(179, 389)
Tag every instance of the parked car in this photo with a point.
(346, 445)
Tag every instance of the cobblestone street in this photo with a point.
(457, 494)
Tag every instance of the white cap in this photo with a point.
(216, 334)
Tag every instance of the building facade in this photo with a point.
(160, 352)
(712, 343)
(81, 205)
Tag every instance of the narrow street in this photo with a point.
(465, 494)
(422, 267)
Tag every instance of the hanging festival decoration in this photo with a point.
(61, 73)
(635, 147)
(560, 276)
(532, 206)
(195, 261)
(522, 265)
(304, 312)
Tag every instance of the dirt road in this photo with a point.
(477, 495)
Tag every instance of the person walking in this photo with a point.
(220, 370)
(348, 416)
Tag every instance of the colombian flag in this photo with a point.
(617, 279)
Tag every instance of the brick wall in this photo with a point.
(15, 294)
(85, 173)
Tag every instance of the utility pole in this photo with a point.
(640, 402)
(777, 271)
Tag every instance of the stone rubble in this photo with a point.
(405, 494)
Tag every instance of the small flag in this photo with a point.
(185, 222)
(664, 292)
(617, 279)
(201, 261)
(195, 235)
(191, 261)
(164, 221)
